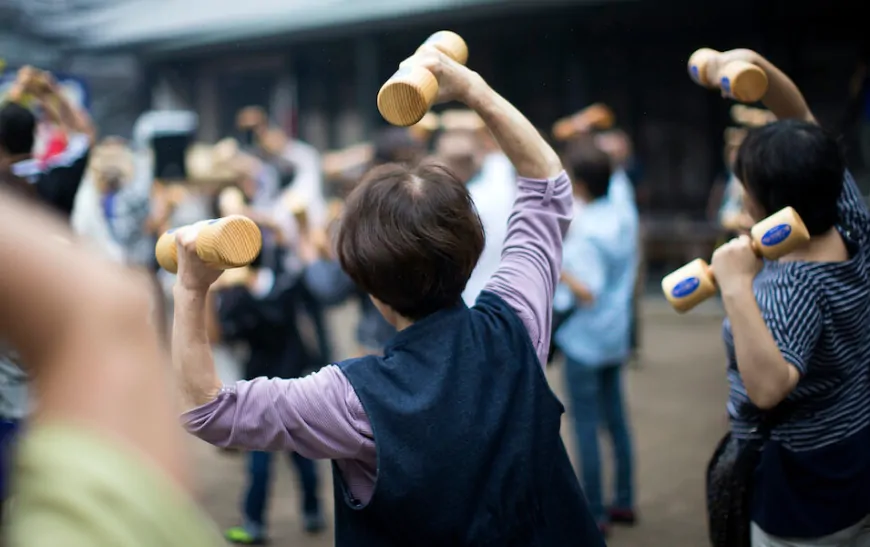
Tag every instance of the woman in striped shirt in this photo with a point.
(797, 333)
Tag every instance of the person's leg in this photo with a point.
(253, 530)
(307, 471)
(583, 389)
(8, 429)
(616, 421)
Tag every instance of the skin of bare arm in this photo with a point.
(82, 327)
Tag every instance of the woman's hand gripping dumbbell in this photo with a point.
(224, 243)
(772, 238)
(409, 94)
(729, 71)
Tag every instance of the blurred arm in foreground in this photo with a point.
(102, 463)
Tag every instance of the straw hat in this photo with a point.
(202, 167)
(227, 154)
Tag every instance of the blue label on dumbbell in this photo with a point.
(696, 74)
(171, 230)
(776, 235)
(685, 287)
(725, 84)
(213, 221)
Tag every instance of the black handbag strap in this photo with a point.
(773, 418)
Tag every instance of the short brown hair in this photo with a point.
(589, 166)
(411, 237)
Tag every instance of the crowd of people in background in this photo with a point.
(270, 317)
(335, 228)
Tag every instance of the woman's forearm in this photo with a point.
(767, 376)
(580, 291)
(521, 142)
(191, 349)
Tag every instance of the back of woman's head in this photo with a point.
(410, 237)
(795, 164)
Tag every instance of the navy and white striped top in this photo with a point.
(819, 316)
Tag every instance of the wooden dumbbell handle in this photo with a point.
(224, 243)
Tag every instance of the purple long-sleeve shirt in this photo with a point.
(320, 416)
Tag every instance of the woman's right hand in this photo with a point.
(193, 274)
(456, 82)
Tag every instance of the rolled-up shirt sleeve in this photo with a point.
(318, 416)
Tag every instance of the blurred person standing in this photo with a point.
(324, 275)
(598, 280)
(624, 182)
(250, 308)
(296, 167)
(465, 147)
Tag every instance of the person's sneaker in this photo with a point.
(240, 536)
(622, 516)
(313, 523)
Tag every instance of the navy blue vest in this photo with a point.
(467, 434)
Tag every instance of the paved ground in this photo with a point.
(676, 399)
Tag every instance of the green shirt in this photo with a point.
(73, 488)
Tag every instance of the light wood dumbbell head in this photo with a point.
(779, 234)
(738, 80)
(743, 81)
(772, 238)
(689, 286)
(698, 67)
(406, 97)
(223, 243)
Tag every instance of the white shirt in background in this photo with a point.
(308, 180)
(493, 192)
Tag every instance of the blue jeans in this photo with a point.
(260, 469)
(596, 400)
(8, 433)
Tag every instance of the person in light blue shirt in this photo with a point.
(598, 280)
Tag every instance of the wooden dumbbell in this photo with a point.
(223, 243)
(772, 238)
(738, 80)
(406, 97)
(596, 116)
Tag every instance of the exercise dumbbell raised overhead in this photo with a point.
(738, 80)
(406, 97)
(224, 243)
(772, 238)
